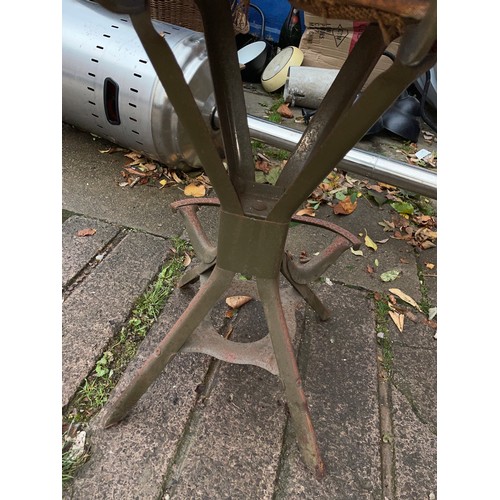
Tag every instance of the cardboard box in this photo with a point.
(328, 46)
(319, 22)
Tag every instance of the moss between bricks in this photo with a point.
(385, 342)
(96, 388)
(274, 116)
(425, 303)
(270, 151)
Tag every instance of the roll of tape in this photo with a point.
(275, 74)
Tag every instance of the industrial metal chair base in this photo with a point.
(252, 247)
(254, 218)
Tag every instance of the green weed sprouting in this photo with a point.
(96, 388)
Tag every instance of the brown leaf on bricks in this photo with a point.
(398, 319)
(236, 301)
(196, 190)
(307, 211)
(86, 232)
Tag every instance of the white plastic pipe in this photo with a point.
(307, 86)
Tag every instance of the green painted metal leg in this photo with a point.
(289, 374)
(308, 295)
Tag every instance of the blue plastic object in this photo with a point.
(275, 13)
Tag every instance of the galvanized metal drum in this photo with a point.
(110, 88)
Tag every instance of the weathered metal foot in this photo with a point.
(199, 307)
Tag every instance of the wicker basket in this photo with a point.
(183, 13)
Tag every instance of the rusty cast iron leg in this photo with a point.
(305, 291)
(289, 374)
(199, 307)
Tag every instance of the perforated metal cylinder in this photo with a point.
(110, 88)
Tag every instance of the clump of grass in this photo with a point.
(270, 151)
(257, 145)
(70, 464)
(96, 388)
(273, 115)
(420, 203)
(74, 451)
(94, 392)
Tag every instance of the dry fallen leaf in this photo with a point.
(205, 180)
(388, 226)
(236, 301)
(196, 190)
(133, 155)
(263, 166)
(369, 242)
(387, 186)
(317, 194)
(150, 166)
(429, 265)
(307, 211)
(326, 186)
(375, 187)
(423, 219)
(345, 207)
(404, 297)
(284, 111)
(411, 316)
(390, 275)
(187, 260)
(176, 178)
(86, 232)
(430, 324)
(357, 252)
(432, 312)
(427, 244)
(112, 149)
(399, 319)
(133, 171)
(426, 233)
